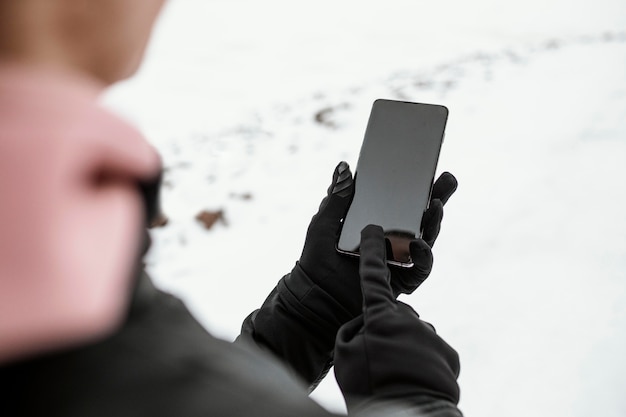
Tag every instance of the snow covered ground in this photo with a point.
(529, 283)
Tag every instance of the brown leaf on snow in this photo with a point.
(208, 218)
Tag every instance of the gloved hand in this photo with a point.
(338, 274)
(388, 353)
(300, 318)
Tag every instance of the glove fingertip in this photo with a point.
(444, 187)
(335, 204)
(342, 181)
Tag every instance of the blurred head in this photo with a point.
(105, 39)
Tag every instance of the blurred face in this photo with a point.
(108, 36)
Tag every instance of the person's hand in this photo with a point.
(70, 220)
(300, 318)
(388, 353)
(338, 274)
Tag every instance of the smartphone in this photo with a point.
(394, 175)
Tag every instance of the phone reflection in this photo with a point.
(400, 242)
(398, 247)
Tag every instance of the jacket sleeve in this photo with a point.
(297, 323)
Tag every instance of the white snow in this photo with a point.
(529, 282)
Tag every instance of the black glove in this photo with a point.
(388, 353)
(338, 274)
(300, 318)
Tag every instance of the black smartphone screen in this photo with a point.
(394, 174)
